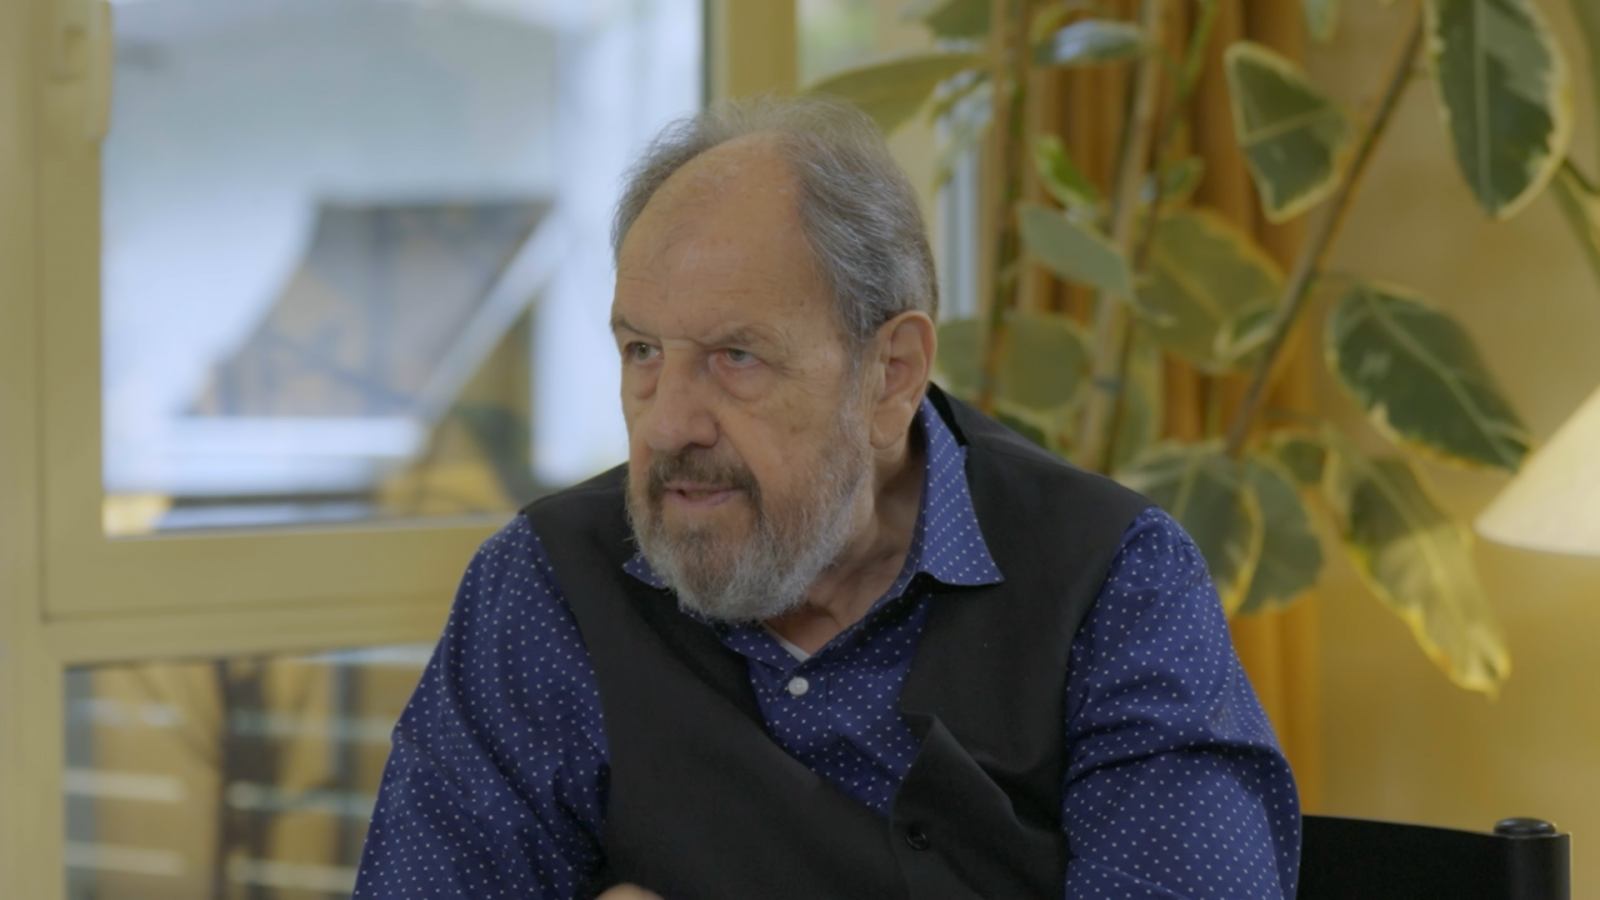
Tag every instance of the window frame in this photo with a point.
(70, 595)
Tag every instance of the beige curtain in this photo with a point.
(1084, 106)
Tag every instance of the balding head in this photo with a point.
(746, 189)
(857, 211)
(755, 164)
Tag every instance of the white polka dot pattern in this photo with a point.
(497, 782)
(1175, 786)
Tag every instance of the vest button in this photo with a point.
(917, 839)
(798, 686)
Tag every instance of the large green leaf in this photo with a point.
(1178, 182)
(1143, 401)
(1587, 12)
(1302, 455)
(951, 18)
(1418, 559)
(1580, 203)
(1044, 366)
(960, 354)
(892, 92)
(1291, 553)
(1243, 340)
(1074, 250)
(1295, 140)
(1203, 489)
(1505, 96)
(1322, 19)
(1089, 42)
(1061, 176)
(1204, 274)
(1419, 377)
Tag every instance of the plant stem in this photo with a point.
(1572, 203)
(1211, 390)
(1110, 315)
(1003, 179)
(1188, 79)
(1119, 405)
(1313, 253)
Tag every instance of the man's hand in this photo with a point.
(628, 892)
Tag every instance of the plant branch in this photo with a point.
(1314, 252)
(1119, 404)
(1188, 77)
(1110, 316)
(1003, 179)
(1573, 204)
(1188, 80)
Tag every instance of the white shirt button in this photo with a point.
(798, 686)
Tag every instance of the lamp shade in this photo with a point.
(1553, 504)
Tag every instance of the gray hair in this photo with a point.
(857, 208)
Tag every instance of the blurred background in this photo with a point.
(339, 271)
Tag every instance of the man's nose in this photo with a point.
(679, 414)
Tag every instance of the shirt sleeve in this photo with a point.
(496, 783)
(1176, 787)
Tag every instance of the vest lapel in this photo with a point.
(703, 804)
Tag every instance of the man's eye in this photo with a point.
(638, 351)
(738, 357)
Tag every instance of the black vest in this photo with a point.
(704, 804)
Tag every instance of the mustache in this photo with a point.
(700, 466)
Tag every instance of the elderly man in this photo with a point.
(830, 632)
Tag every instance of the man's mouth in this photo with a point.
(698, 496)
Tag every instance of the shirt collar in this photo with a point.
(948, 545)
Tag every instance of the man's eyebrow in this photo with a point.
(745, 334)
(618, 323)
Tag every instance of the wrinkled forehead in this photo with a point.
(723, 235)
(745, 188)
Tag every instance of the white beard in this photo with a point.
(770, 571)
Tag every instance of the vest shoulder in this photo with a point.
(599, 495)
(1022, 454)
(1015, 460)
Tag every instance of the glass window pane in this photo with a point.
(355, 256)
(229, 778)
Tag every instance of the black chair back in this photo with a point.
(1359, 859)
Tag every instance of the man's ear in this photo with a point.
(905, 347)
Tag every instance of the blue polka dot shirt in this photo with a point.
(1176, 788)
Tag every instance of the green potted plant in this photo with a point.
(1170, 280)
